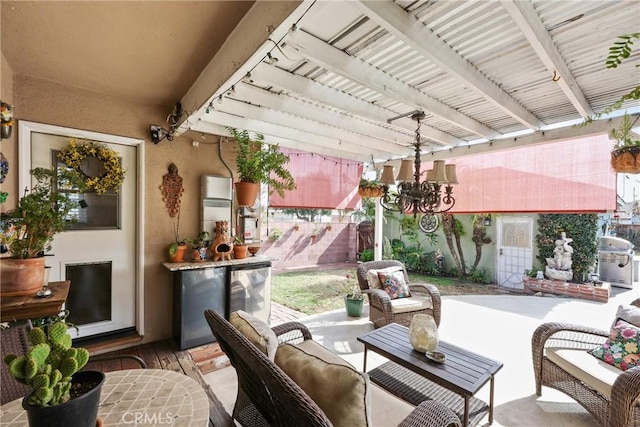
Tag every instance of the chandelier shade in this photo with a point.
(432, 195)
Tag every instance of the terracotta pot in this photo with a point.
(21, 276)
(179, 255)
(240, 251)
(246, 193)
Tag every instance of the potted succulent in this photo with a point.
(353, 297)
(259, 163)
(200, 244)
(61, 394)
(28, 230)
(240, 248)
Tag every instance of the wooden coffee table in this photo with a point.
(414, 378)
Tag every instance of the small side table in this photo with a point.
(29, 307)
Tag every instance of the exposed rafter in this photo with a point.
(525, 16)
(354, 69)
(337, 99)
(415, 34)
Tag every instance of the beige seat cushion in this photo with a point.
(256, 331)
(342, 392)
(374, 280)
(596, 373)
(413, 303)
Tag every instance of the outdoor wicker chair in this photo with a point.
(14, 340)
(425, 298)
(620, 409)
(267, 396)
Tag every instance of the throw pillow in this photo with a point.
(394, 284)
(621, 349)
(374, 280)
(630, 313)
(256, 331)
(335, 386)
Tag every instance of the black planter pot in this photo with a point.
(79, 412)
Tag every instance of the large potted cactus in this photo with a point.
(61, 395)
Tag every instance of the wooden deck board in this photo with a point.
(166, 355)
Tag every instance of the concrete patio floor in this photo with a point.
(496, 326)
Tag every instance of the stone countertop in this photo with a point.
(181, 266)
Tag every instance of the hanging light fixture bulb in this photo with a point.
(271, 59)
(247, 77)
(220, 99)
(232, 91)
(415, 196)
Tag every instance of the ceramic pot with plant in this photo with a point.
(61, 395)
(259, 163)
(28, 230)
(353, 297)
(240, 248)
(200, 245)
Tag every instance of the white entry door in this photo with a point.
(515, 250)
(98, 254)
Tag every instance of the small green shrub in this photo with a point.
(366, 255)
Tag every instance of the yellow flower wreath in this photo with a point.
(78, 150)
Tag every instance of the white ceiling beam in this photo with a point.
(326, 95)
(376, 136)
(597, 127)
(407, 28)
(247, 44)
(218, 129)
(352, 68)
(360, 142)
(305, 138)
(527, 19)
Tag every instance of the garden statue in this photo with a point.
(559, 267)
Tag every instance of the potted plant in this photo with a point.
(61, 394)
(370, 188)
(259, 163)
(200, 244)
(178, 248)
(28, 230)
(625, 156)
(239, 248)
(353, 297)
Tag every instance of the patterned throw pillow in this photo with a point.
(621, 349)
(394, 284)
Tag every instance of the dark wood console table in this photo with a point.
(29, 307)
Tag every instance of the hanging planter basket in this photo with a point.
(626, 160)
(370, 191)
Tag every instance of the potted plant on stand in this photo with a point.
(259, 163)
(353, 297)
(28, 230)
(178, 248)
(61, 395)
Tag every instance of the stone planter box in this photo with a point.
(588, 291)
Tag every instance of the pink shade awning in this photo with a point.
(322, 182)
(566, 176)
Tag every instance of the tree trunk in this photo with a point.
(448, 224)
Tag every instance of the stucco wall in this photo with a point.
(46, 102)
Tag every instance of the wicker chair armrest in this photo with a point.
(291, 332)
(624, 393)
(379, 297)
(434, 293)
(567, 335)
(431, 413)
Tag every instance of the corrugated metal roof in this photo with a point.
(376, 60)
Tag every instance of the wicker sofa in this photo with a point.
(267, 396)
(561, 361)
(425, 298)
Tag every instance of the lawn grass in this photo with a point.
(317, 290)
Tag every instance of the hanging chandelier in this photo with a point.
(431, 196)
